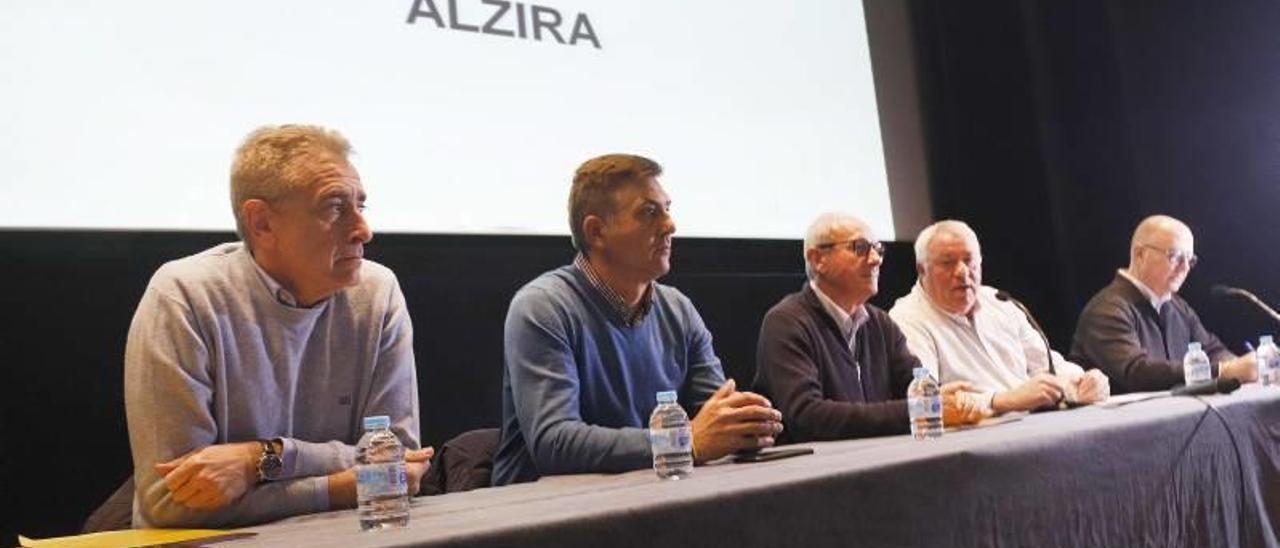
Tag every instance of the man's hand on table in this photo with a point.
(733, 421)
(211, 477)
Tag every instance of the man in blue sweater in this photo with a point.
(588, 345)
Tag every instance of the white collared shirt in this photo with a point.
(1156, 302)
(848, 323)
(996, 349)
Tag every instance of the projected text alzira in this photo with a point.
(505, 18)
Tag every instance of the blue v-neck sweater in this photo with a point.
(579, 384)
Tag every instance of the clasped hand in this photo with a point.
(733, 421)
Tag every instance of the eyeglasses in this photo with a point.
(861, 247)
(1175, 256)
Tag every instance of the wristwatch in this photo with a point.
(269, 464)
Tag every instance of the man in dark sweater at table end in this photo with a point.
(836, 366)
(1136, 329)
(588, 345)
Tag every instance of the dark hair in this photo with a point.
(596, 182)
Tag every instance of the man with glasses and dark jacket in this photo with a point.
(1136, 329)
(835, 365)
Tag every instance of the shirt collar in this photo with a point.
(849, 323)
(1156, 302)
(631, 315)
(282, 295)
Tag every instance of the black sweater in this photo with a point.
(1120, 333)
(805, 367)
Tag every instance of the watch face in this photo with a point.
(269, 466)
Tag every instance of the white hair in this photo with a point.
(947, 226)
(824, 229)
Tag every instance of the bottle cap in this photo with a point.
(1193, 347)
(919, 373)
(377, 422)
(1265, 339)
(668, 396)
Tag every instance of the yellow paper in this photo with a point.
(132, 537)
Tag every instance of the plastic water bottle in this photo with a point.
(382, 485)
(1268, 358)
(924, 404)
(671, 438)
(1195, 365)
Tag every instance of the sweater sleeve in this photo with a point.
(785, 354)
(1213, 346)
(543, 372)
(1107, 336)
(705, 374)
(168, 394)
(395, 379)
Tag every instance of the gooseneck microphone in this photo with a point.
(1228, 291)
(1220, 385)
(1048, 352)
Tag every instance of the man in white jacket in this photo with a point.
(962, 332)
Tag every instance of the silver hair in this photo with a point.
(947, 226)
(823, 230)
(274, 160)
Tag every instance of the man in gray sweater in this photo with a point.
(249, 366)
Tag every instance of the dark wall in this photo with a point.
(70, 297)
(1054, 127)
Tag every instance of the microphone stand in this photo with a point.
(1223, 290)
(1048, 351)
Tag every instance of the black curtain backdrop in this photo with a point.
(1055, 127)
(1051, 127)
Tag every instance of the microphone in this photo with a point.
(1220, 385)
(1220, 290)
(1048, 352)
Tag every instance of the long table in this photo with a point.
(1163, 473)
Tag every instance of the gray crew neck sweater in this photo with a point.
(213, 357)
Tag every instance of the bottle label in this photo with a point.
(924, 407)
(671, 440)
(381, 480)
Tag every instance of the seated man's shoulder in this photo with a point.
(679, 305)
(378, 290)
(213, 267)
(672, 296)
(375, 279)
(908, 305)
(913, 310)
(987, 296)
(1109, 300)
(878, 315)
(376, 274)
(793, 305)
(551, 290)
(1181, 305)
